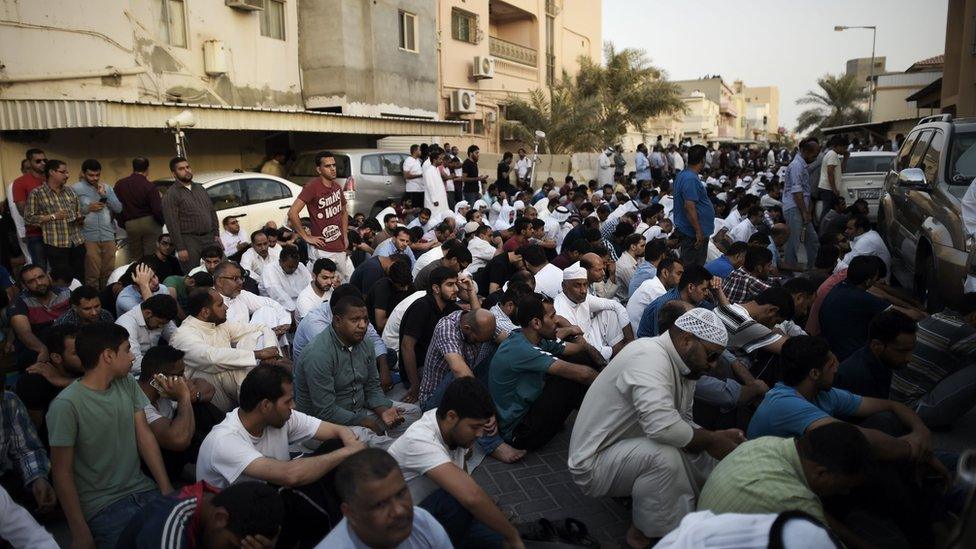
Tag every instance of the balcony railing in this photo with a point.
(504, 49)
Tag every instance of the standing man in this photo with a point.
(619, 163)
(694, 216)
(605, 165)
(830, 174)
(326, 205)
(470, 178)
(642, 164)
(142, 209)
(54, 207)
(98, 203)
(522, 167)
(797, 206)
(189, 214)
(413, 174)
(20, 190)
(275, 165)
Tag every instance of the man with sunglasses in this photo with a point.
(634, 434)
(20, 190)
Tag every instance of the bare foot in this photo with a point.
(507, 454)
(636, 538)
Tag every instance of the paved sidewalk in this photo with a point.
(540, 486)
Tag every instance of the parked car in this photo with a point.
(920, 210)
(253, 198)
(372, 178)
(864, 177)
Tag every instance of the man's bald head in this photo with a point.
(595, 268)
(478, 326)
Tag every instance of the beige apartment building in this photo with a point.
(100, 78)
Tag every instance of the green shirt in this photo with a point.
(763, 475)
(336, 383)
(100, 425)
(177, 283)
(517, 376)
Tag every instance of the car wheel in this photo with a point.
(927, 287)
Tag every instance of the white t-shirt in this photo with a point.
(549, 281)
(425, 259)
(831, 160)
(391, 332)
(418, 451)
(164, 409)
(308, 300)
(229, 448)
(648, 291)
(230, 241)
(743, 231)
(412, 165)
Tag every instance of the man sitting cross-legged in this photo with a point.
(533, 389)
(433, 456)
(378, 508)
(336, 378)
(252, 444)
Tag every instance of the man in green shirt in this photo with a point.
(98, 431)
(184, 284)
(772, 474)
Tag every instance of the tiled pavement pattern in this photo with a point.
(540, 486)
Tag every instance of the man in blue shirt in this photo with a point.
(143, 284)
(98, 203)
(642, 164)
(654, 252)
(806, 399)
(694, 216)
(399, 243)
(733, 258)
(695, 287)
(797, 206)
(849, 307)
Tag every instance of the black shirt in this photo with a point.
(500, 269)
(470, 169)
(367, 274)
(419, 321)
(863, 374)
(36, 392)
(503, 169)
(163, 268)
(385, 297)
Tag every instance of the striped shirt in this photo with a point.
(189, 210)
(745, 334)
(45, 201)
(946, 343)
(764, 475)
(19, 442)
(448, 339)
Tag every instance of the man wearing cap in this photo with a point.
(634, 434)
(604, 322)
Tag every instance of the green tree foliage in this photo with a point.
(838, 102)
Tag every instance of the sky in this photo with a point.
(784, 43)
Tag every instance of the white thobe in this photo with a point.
(743, 231)
(221, 354)
(283, 287)
(481, 253)
(605, 174)
(549, 281)
(434, 191)
(602, 320)
(141, 338)
(425, 259)
(230, 241)
(254, 263)
(246, 305)
(630, 432)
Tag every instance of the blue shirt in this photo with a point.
(648, 322)
(130, 297)
(98, 225)
(797, 180)
(720, 267)
(643, 167)
(645, 271)
(517, 376)
(687, 186)
(317, 321)
(785, 413)
(426, 533)
(388, 249)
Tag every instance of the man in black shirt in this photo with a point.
(470, 178)
(420, 319)
(43, 381)
(501, 268)
(387, 293)
(369, 272)
(504, 184)
(163, 261)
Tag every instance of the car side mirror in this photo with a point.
(912, 178)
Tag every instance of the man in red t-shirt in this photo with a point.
(22, 186)
(326, 204)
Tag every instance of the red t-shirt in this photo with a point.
(326, 208)
(23, 185)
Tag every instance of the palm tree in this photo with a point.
(839, 102)
(570, 122)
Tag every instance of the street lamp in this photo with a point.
(874, 35)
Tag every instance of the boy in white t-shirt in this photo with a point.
(252, 443)
(432, 455)
(324, 280)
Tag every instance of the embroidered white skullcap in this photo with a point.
(519, 205)
(471, 227)
(574, 272)
(560, 214)
(704, 325)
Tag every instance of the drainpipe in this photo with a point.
(109, 71)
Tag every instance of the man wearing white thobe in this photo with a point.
(603, 321)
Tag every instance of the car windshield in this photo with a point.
(962, 163)
(868, 164)
(305, 166)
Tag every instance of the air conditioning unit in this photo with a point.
(246, 5)
(463, 101)
(483, 67)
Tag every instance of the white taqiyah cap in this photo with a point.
(574, 272)
(704, 325)
(560, 214)
(471, 226)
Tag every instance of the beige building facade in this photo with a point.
(100, 78)
(958, 93)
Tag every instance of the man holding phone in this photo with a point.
(98, 203)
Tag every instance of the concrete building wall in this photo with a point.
(892, 89)
(959, 70)
(65, 49)
(351, 58)
(861, 68)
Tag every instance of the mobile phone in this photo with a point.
(103, 199)
(154, 382)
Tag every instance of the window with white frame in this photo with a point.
(273, 19)
(408, 31)
(171, 23)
